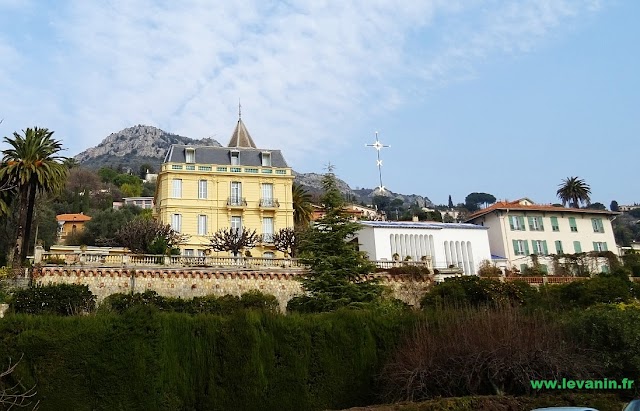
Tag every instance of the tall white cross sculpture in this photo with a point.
(378, 146)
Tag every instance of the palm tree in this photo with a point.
(301, 206)
(574, 190)
(33, 165)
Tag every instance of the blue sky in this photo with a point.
(504, 97)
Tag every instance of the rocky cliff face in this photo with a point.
(134, 146)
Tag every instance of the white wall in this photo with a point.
(501, 236)
(446, 245)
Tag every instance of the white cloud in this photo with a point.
(302, 71)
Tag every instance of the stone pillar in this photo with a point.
(38, 254)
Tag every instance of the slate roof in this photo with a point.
(241, 142)
(222, 155)
(241, 137)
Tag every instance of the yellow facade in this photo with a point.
(209, 196)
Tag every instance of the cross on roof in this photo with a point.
(378, 146)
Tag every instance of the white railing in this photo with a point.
(147, 260)
(391, 264)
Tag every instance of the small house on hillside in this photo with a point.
(70, 223)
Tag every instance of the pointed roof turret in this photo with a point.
(240, 136)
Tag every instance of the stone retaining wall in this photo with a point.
(189, 283)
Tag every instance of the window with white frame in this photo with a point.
(266, 159)
(202, 224)
(236, 223)
(520, 247)
(188, 252)
(202, 189)
(236, 192)
(176, 222)
(539, 247)
(268, 254)
(516, 223)
(176, 188)
(535, 224)
(267, 195)
(267, 229)
(235, 158)
(190, 155)
(599, 246)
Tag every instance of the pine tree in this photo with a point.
(450, 202)
(336, 265)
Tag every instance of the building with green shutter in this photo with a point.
(526, 233)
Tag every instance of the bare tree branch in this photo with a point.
(233, 239)
(12, 392)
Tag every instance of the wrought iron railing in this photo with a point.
(236, 201)
(269, 202)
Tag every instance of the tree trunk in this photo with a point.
(27, 227)
(17, 253)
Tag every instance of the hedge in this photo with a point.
(252, 360)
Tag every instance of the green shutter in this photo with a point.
(511, 223)
(523, 268)
(604, 246)
(577, 247)
(530, 223)
(595, 246)
(559, 247)
(526, 248)
(572, 224)
(515, 247)
(522, 226)
(605, 269)
(594, 224)
(544, 268)
(554, 224)
(544, 247)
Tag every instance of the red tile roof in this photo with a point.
(515, 205)
(72, 217)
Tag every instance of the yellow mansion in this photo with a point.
(203, 189)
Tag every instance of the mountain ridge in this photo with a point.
(132, 147)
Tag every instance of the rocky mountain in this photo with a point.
(134, 146)
(312, 182)
(137, 145)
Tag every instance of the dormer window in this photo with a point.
(190, 155)
(235, 158)
(266, 159)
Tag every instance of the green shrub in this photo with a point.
(227, 304)
(475, 291)
(59, 299)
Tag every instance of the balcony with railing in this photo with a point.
(269, 203)
(236, 202)
(266, 238)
